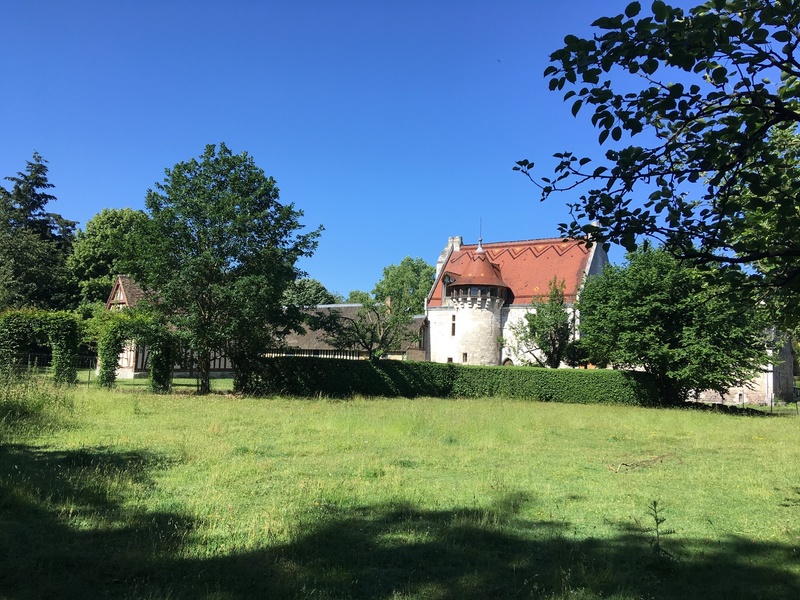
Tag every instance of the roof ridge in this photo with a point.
(530, 241)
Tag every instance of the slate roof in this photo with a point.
(315, 340)
(526, 267)
(124, 293)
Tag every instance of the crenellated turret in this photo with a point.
(477, 295)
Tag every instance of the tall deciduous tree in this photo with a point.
(660, 314)
(544, 333)
(100, 250)
(406, 285)
(217, 255)
(708, 93)
(34, 243)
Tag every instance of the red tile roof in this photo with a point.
(526, 267)
(478, 271)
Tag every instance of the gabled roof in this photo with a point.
(124, 294)
(526, 267)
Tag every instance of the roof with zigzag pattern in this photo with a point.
(527, 267)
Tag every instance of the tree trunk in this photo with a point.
(204, 374)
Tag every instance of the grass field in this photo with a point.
(127, 495)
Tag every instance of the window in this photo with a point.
(453, 325)
(449, 359)
(464, 358)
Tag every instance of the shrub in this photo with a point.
(63, 333)
(21, 329)
(162, 357)
(296, 376)
(109, 344)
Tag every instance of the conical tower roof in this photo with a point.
(479, 271)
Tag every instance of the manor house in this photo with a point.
(481, 290)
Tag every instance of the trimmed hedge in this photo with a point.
(311, 377)
(21, 329)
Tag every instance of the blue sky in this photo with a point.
(394, 124)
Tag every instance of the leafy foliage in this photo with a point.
(358, 297)
(111, 338)
(659, 314)
(376, 328)
(34, 244)
(306, 377)
(712, 95)
(141, 326)
(218, 253)
(61, 330)
(307, 292)
(544, 333)
(406, 285)
(63, 333)
(25, 205)
(19, 329)
(100, 249)
(384, 320)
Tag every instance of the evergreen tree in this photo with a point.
(34, 244)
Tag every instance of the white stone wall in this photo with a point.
(511, 315)
(442, 344)
(477, 331)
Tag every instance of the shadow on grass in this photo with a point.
(68, 529)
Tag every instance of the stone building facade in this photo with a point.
(481, 290)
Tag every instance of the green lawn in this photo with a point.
(87, 378)
(131, 495)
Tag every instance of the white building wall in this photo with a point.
(466, 331)
(511, 315)
(442, 343)
(478, 331)
(774, 384)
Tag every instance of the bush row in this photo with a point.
(21, 329)
(311, 377)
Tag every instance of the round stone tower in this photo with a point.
(477, 295)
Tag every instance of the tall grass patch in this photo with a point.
(181, 497)
(29, 402)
